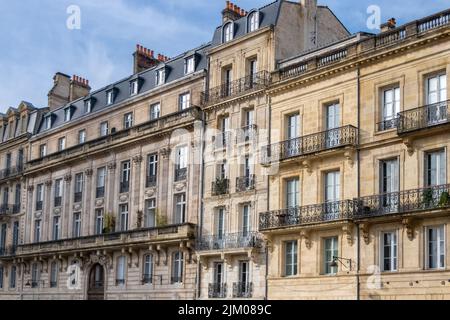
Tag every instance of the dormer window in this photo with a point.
(160, 76)
(253, 21)
(48, 122)
(189, 65)
(134, 87)
(228, 32)
(110, 97)
(88, 106)
(67, 115)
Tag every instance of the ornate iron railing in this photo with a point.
(100, 192)
(230, 241)
(150, 181)
(424, 117)
(242, 290)
(245, 183)
(245, 134)
(10, 208)
(235, 88)
(217, 290)
(318, 142)
(11, 172)
(180, 174)
(78, 197)
(387, 124)
(8, 251)
(220, 187)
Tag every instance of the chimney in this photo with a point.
(232, 12)
(143, 59)
(389, 25)
(79, 87)
(59, 95)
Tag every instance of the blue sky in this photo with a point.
(36, 42)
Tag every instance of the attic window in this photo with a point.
(228, 32)
(88, 106)
(67, 114)
(189, 65)
(134, 87)
(160, 76)
(253, 21)
(48, 122)
(110, 96)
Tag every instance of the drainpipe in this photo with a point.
(358, 254)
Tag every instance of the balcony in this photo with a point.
(230, 241)
(222, 141)
(247, 134)
(11, 172)
(307, 215)
(39, 205)
(217, 290)
(9, 251)
(10, 209)
(58, 202)
(78, 197)
(242, 290)
(180, 174)
(124, 186)
(120, 282)
(147, 279)
(220, 187)
(150, 181)
(246, 183)
(100, 192)
(430, 116)
(387, 125)
(311, 144)
(245, 85)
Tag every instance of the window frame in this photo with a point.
(290, 270)
(439, 241)
(393, 258)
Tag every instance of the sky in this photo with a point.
(36, 41)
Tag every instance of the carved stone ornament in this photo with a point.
(347, 230)
(30, 188)
(68, 178)
(137, 159)
(180, 187)
(57, 211)
(365, 231)
(150, 193)
(99, 202)
(112, 166)
(305, 234)
(165, 152)
(124, 198)
(77, 207)
(409, 226)
(48, 183)
(89, 172)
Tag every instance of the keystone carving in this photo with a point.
(89, 172)
(305, 234)
(408, 223)
(365, 232)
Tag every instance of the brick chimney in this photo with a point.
(232, 12)
(79, 87)
(60, 92)
(389, 25)
(143, 59)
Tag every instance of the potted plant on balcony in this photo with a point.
(221, 186)
(445, 199)
(110, 223)
(428, 197)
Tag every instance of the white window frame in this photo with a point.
(76, 228)
(99, 221)
(178, 265)
(43, 150)
(150, 213)
(253, 23)
(104, 129)
(439, 243)
(82, 136)
(48, 122)
(155, 111)
(110, 97)
(180, 208)
(184, 101)
(228, 32)
(62, 144)
(394, 246)
(134, 87)
(391, 108)
(56, 228)
(128, 120)
(121, 270)
(160, 77)
(124, 210)
(334, 250)
(189, 65)
(292, 192)
(291, 251)
(441, 164)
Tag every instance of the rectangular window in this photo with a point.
(37, 231)
(218, 276)
(293, 126)
(88, 106)
(160, 77)
(180, 208)
(436, 247)
(290, 258)
(39, 197)
(148, 269)
(16, 231)
(76, 225)
(123, 210)
(128, 120)
(292, 193)
(189, 65)
(120, 272)
(389, 251)
(181, 163)
(81, 136)
(67, 114)
(54, 275)
(104, 130)
(220, 224)
(389, 176)
(18, 195)
(58, 192)
(125, 177)
(35, 275)
(12, 277)
(3, 237)
(332, 186)
(435, 168)
(99, 224)
(1, 276)
(228, 78)
(110, 97)
(6, 196)
(150, 213)
(437, 89)
(78, 196)
(55, 228)
(245, 220)
(134, 87)
(185, 101)
(333, 116)
(155, 111)
(177, 267)
(42, 150)
(330, 253)
(152, 170)
(391, 107)
(101, 180)
(48, 122)
(61, 144)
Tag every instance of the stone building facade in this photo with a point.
(285, 159)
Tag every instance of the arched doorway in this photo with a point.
(96, 289)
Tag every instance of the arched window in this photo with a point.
(148, 269)
(228, 32)
(253, 21)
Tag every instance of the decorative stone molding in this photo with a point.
(163, 254)
(306, 237)
(180, 186)
(408, 142)
(203, 262)
(89, 172)
(112, 166)
(349, 154)
(347, 231)
(307, 166)
(155, 252)
(137, 159)
(30, 188)
(365, 230)
(77, 207)
(57, 211)
(48, 183)
(99, 202)
(150, 192)
(124, 198)
(165, 153)
(408, 224)
(68, 178)
(38, 214)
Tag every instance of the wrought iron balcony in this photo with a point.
(176, 279)
(16, 208)
(58, 201)
(432, 198)
(11, 172)
(124, 186)
(247, 134)
(180, 174)
(222, 141)
(39, 205)
(311, 144)
(78, 197)
(8, 251)
(230, 241)
(298, 216)
(100, 192)
(242, 290)
(246, 183)
(10, 209)
(53, 284)
(220, 187)
(236, 88)
(387, 124)
(150, 181)
(424, 117)
(217, 290)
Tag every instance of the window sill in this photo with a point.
(379, 133)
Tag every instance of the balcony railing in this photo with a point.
(311, 144)
(242, 290)
(230, 241)
(11, 172)
(100, 192)
(8, 251)
(150, 181)
(222, 141)
(78, 197)
(120, 282)
(433, 22)
(217, 290)
(247, 134)
(390, 37)
(235, 88)
(124, 186)
(39, 205)
(147, 279)
(10, 208)
(220, 187)
(180, 174)
(387, 124)
(424, 117)
(246, 183)
(58, 201)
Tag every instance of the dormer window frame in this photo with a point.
(48, 121)
(68, 113)
(187, 65)
(111, 95)
(136, 85)
(257, 14)
(160, 76)
(225, 36)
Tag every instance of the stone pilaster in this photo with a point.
(89, 190)
(67, 205)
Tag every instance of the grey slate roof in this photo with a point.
(175, 71)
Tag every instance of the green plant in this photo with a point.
(221, 186)
(445, 199)
(428, 197)
(110, 223)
